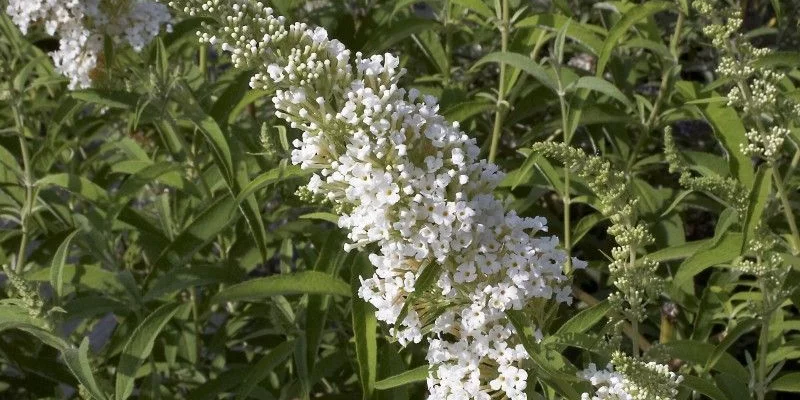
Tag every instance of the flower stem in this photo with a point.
(27, 182)
(787, 210)
(501, 90)
(763, 349)
(566, 195)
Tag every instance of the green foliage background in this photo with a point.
(154, 247)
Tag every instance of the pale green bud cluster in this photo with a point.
(766, 265)
(634, 276)
(766, 145)
(648, 380)
(756, 88)
(726, 189)
(27, 293)
(626, 378)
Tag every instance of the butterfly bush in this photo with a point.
(81, 26)
(412, 190)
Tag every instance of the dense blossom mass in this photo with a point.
(629, 379)
(411, 183)
(82, 24)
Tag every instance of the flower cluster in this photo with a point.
(630, 379)
(81, 26)
(634, 275)
(766, 145)
(756, 87)
(411, 185)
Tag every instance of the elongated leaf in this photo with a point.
(78, 362)
(218, 216)
(418, 374)
(778, 59)
(585, 319)
(397, 32)
(699, 353)
(576, 31)
(759, 195)
(119, 100)
(57, 266)
(603, 86)
(263, 367)
(520, 62)
(274, 175)
(726, 249)
(729, 340)
(627, 21)
(305, 282)
(139, 347)
(364, 330)
(730, 131)
(703, 386)
(787, 383)
(77, 185)
(329, 259)
(478, 6)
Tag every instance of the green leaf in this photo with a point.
(111, 99)
(432, 46)
(730, 131)
(305, 282)
(364, 330)
(576, 31)
(478, 6)
(213, 134)
(426, 279)
(778, 59)
(419, 374)
(397, 32)
(203, 229)
(628, 20)
(139, 347)
(57, 266)
(328, 261)
(680, 251)
(699, 353)
(322, 216)
(467, 109)
(603, 86)
(730, 338)
(78, 362)
(552, 366)
(520, 62)
(585, 319)
(77, 185)
(787, 383)
(230, 98)
(703, 386)
(726, 249)
(263, 367)
(759, 196)
(277, 174)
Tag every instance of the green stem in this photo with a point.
(27, 182)
(665, 76)
(763, 349)
(787, 210)
(635, 319)
(566, 194)
(635, 337)
(501, 91)
(448, 39)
